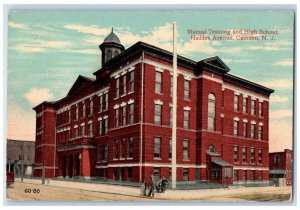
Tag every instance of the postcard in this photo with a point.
(150, 105)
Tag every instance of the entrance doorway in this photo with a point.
(71, 166)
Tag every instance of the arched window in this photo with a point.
(83, 109)
(116, 53)
(211, 112)
(108, 55)
(211, 148)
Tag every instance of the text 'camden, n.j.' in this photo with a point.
(233, 34)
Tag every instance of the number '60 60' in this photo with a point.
(32, 190)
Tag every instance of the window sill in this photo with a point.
(115, 159)
(130, 158)
(130, 92)
(186, 160)
(157, 158)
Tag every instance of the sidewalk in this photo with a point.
(227, 194)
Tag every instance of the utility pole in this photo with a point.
(174, 109)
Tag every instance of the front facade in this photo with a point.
(281, 166)
(20, 153)
(118, 126)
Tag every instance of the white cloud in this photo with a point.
(279, 84)
(278, 99)
(20, 123)
(12, 24)
(87, 51)
(35, 46)
(92, 29)
(236, 60)
(284, 62)
(37, 95)
(267, 48)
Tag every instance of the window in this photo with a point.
(91, 106)
(170, 174)
(117, 88)
(276, 159)
(186, 119)
(130, 147)
(244, 154)
(158, 82)
(252, 131)
(83, 109)
(108, 55)
(106, 101)
(244, 175)
(116, 118)
(100, 103)
(76, 132)
(252, 175)
(259, 175)
(185, 174)
(91, 130)
(211, 112)
(253, 107)
(115, 173)
(235, 127)
(260, 109)
(260, 156)
(105, 126)
(76, 111)
(116, 149)
(156, 172)
(171, 85)
(105, 151)
(244, 129)
(235, 154)
(186, 89)
(131, 81)
(100, 127)
(124, 115)
(260, 129)
(99, 152)
(236, 103)
(157, 114)
(131, 114)
(228, 172)
(123, 148)
(171, 116)
(129, 171)
(124, 84)
(235, 175)
(83, 130)
(245, 102)
(252, 152)
(170, 149)
(185, 149)
(157, 142)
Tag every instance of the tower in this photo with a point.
(111, 47)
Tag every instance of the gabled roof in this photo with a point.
(216, 63)
(80, 83)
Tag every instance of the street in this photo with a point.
(75, 191)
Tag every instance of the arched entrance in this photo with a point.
(77, 164)
(64, 166)
(70, 166)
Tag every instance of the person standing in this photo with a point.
(152, 187)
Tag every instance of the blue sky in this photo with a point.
(48, 50)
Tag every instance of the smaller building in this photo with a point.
(20, 152)
(281, 166)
